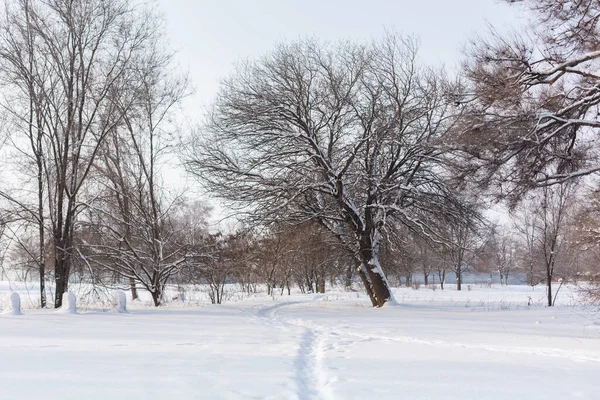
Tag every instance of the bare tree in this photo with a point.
(20, 217)
(143, 250)
(502, 247)
(66, 63)
(272, 255)
(544, 230)
(526, 224)
(346, 135)
(554, 207)
(426, 259)
(464, 245)
(222, 259)
(531, 99)
(133, 209)
(25, 71)
(316, 256)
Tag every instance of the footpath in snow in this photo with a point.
(333, 346)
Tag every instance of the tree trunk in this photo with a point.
(309, 282)
(531, 276)
(42, 285)
(380, 287)
(376, 284)
(156, 297)
(321, 284)
(134, 294)
(426, 278)
(301, 286)
(442, 276)
(61, 281)
(549, 285)
(348, 278)
(361, 270)
(458, 278)
(380, 290)
(42, 261)
(62, 266)
(41, 228)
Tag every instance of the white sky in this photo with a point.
(211, 35)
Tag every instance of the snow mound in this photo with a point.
(69, 303)
(120, 301)
(14, 304)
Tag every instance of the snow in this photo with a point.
(120, 301)
(14, 304)
(69, 303)
(483, 343)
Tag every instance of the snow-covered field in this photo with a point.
(483, 343)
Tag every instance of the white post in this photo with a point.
(69, 303)
(14, 304)
(120, 301)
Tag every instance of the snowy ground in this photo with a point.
(483, 343)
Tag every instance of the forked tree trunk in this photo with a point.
(156, 290)
(156, 298)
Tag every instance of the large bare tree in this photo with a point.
(68, 71)
(344, 134)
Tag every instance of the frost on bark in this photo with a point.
(346, 135)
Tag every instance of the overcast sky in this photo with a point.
(211, 35)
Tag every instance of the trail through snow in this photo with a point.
(312, 377)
